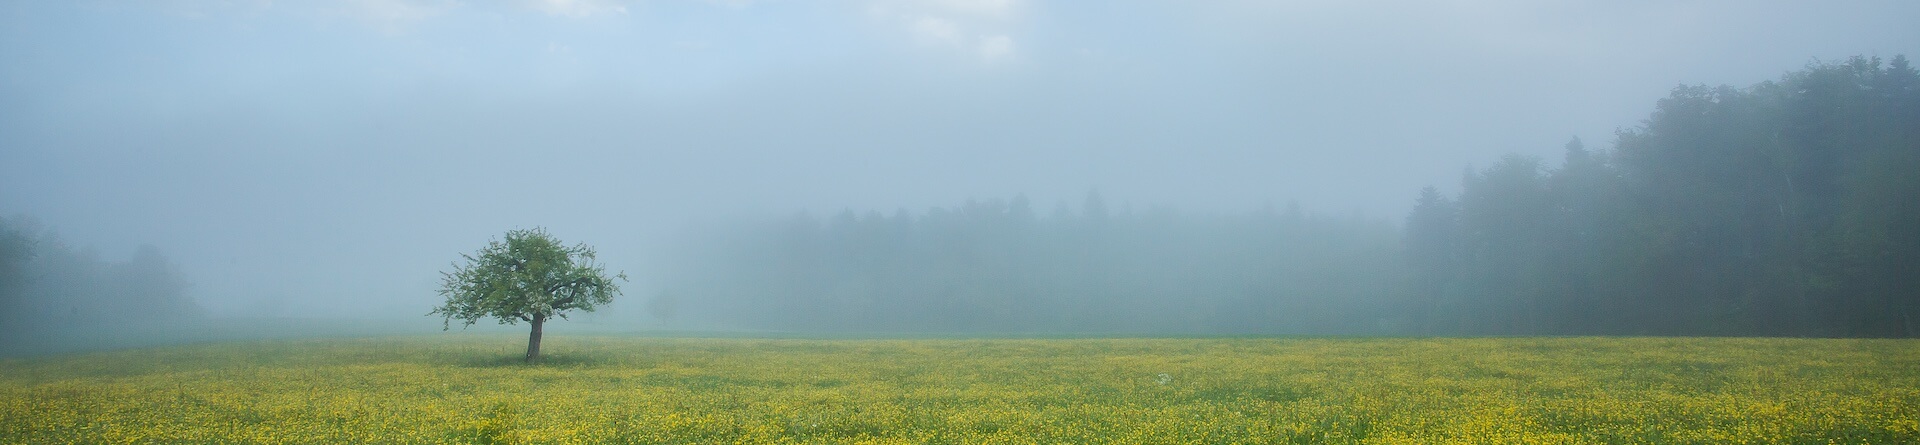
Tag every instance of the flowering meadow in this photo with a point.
(466, 388)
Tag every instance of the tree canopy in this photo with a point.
(529, 276)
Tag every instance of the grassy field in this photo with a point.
(470, 389)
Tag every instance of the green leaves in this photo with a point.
(529, 274)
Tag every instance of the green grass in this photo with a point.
(467, 388)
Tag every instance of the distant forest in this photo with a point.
(46, 283)
(997, 266)
(1786, 208)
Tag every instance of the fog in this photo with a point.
(329, 159)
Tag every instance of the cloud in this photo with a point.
(985, 8)
(976, 27)
(195, 9)
(732, 4)
(391, 14)
(995, 47)
(935, 29)
(580, 8)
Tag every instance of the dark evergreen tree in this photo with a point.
(1784, 208)
(1432, 249)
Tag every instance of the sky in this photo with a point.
(330, 158)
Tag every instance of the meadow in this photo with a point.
(470, 388)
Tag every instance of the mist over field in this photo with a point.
(225, 170)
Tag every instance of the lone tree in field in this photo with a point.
(528, 277)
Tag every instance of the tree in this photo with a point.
(148, 285)
(1504, 213)
(16, 250)
(1431, 247)
(530, 276)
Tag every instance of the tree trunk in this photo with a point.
(533, 339)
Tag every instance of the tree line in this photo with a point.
(44, 282)
(1789, 207)
(1000, 266)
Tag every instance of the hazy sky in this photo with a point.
(330, 157)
